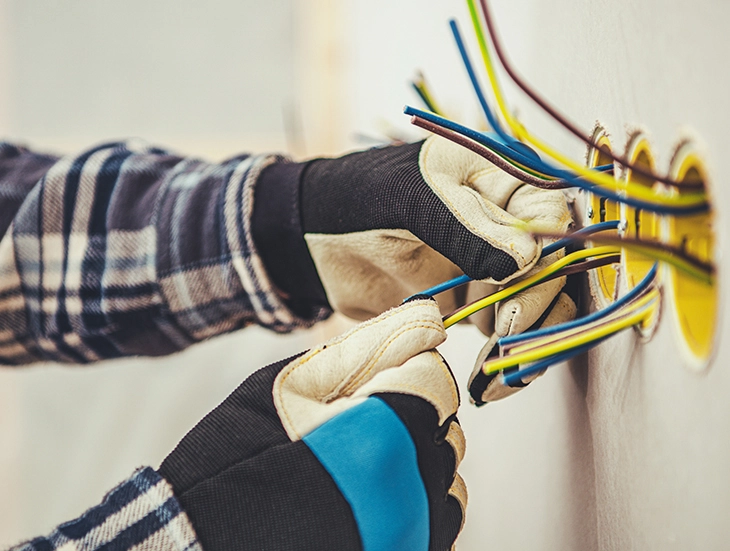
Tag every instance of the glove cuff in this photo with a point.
(277, 231)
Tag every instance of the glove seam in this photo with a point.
(313, 355)
(430, 182)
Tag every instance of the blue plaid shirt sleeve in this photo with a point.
(128, 249)
(141, 513)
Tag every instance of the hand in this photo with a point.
(353, 444)
(386, 223)
(485, 388)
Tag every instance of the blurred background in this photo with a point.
(626, 449)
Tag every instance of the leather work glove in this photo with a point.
(351, 445)
(490, 388)
(364, 231)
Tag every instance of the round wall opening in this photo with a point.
(602, 280)
(638, 223)
(694, 301)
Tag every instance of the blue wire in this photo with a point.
(445, 286)
(508, 140)
(590, 318)
(493, 122)
(588, 230)
(517, 376)
(544, 168)
(550, 249)
(485, 138)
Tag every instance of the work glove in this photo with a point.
(351, 445)
(485, 388)
(364, 231)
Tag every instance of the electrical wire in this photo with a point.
(509, 341)
(562, 119)
(562, 344)
(517, 376)
(547, 250)
(675, 256)
(494, 158)
(528, 164)
(526, 283)
(493, 122)
(423, 90)
(585, 329)
(666, 205)
(631, 189)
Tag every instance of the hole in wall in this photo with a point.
(694, 302)
(638, 223)
(602, 280)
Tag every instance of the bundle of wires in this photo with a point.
(512, 153)
(537, 350)
(544, 347)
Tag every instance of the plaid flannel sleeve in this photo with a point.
(141, 514)
(127, 249)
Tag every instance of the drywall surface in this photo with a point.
(627, 448)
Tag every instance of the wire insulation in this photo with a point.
(631, 189)
(562, 344)
(526, 283)
(562, 119)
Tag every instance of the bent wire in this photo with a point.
(561, 118)
(675, 256)
(507, 342)
(681, 204)
(526, 283)
(504, 164)
(529, 164)
(633, 191)
(559, 343)
(549, 249)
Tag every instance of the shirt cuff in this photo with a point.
(277, 232)
(141, 513)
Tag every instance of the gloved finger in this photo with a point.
(366, 273)
(440, 447)
(484, 318)
(483, 238)
(390, 353)
(519, 312)
(488, 388)
(547, 209)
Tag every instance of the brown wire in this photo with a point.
(488, 155)
(576, 268)
(564, 121)
(602, 239)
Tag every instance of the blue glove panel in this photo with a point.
(371, 456)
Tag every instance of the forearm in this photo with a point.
(129, 250)
(140, 513)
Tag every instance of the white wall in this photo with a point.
(626, 449)
(623, 450)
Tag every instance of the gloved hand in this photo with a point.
(351, 445)
(489, 388)
(383, 224)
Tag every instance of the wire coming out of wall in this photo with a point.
(510, 147)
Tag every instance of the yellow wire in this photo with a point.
(599, 178)
(575, 341)
(633, 306)
(698, 272)
(528, 282)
